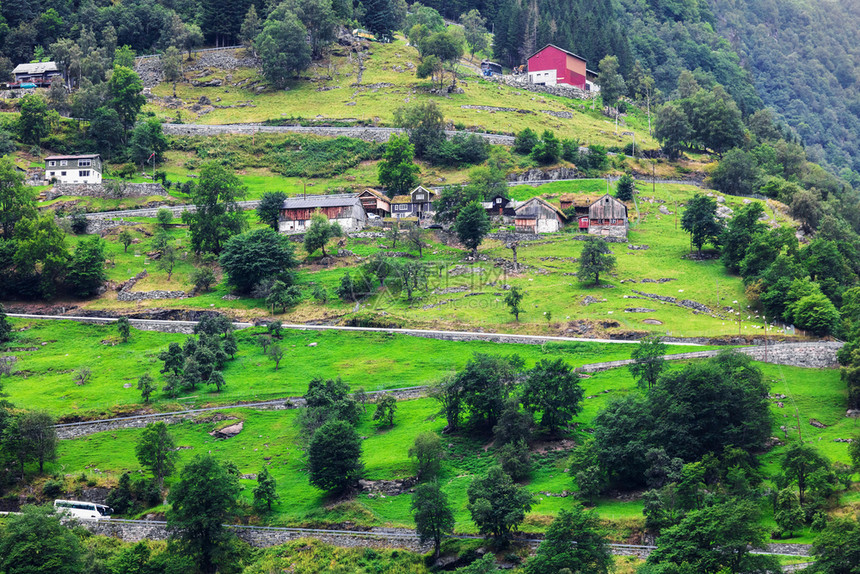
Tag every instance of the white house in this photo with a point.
(345, 209)
(81, 169)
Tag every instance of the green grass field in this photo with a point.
(271, 438)
(48, 352)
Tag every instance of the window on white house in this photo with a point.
(52, 163)
(53, 173)
(63, 173)
(64, 162)
(84, 163)
(84, 173)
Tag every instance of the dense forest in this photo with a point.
(804, 57)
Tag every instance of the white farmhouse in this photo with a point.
(77, 169)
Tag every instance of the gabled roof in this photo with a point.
(36, 68)
(374, 193)
(83, 156)
(401, 199)
(569, 53)
(429, 192)
(314, 201)
(605, 195)
(543, 202)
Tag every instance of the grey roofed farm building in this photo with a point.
(345, 209)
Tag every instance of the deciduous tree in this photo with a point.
(201, 503)
(596, 258)
(497, 505)
(552, 389)
(334, 456)
(432, 514)
(574, 543)
(269, 208)
(283, 47)
(648, 361)
(427, 452)
(260, 254)
(513, 299)
(156, 451)
(472, 225)
(217, 216)
(35, 542)
(386, 406)
(319, 233)
(700, 221)
(265, 494)
(397, 170)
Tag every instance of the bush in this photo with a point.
(78, 221)
(525, 141)
(52, 488)
(459, 150)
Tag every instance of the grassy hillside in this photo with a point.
(49, 351)
(328, 91)
(269, 438)
(468, 295)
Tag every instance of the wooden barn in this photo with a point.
(608, 217)
(345, 209)
(552, 66)
(538, 216)
(375, 202)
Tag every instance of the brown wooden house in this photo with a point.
(344, 209)
(538, 216)
(375, 202)
(608, 217)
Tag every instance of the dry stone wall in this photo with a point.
(371, 134)
(105, 190)
(521, 82)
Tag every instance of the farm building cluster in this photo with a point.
(604, 215)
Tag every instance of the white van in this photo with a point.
(83, 510)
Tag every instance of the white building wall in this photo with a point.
(546, 77)
(73, 173)
(547, 225)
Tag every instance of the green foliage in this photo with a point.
(513, 299)
(525, 141)
(799, 462)
(334, 456)
(33, 125)
(386, 406)
(427, 452)
(148, 138)
(424, 123)
(612, 85)
(164, 217)
(548, 150)
(814, 313)
(16, 200)
(553, 389)
(596, 258)
(515, 459)
(483, 385)
(789, 515)
(35, 542)
(736, 174)
(432, 514)
(126, 93)
(625, 187)
(319, 233)
(86, 271)
(648, 361)
(700, 221)
(202, 278)
(145, 386)
(266, 491)
(326, 400)
(497, 505)
(269, 208)
(217, 215)
(672, 128)
(283, 47)
(837, 548)
(472, 224)
(715, 539)
(260, 254)
(590, 554)
(201, 503)
(5, 326)
(156, 451)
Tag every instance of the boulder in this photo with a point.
(228, 432)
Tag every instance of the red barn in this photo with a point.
(551, 65)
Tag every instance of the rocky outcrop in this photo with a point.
(536, 174)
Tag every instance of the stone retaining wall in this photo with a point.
(543, 175)
(521, 82)
(371, 134)
(818, 355)
(114, 190)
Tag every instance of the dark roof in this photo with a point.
(35, 68)
(314, 201)
(568, 52)
(543, 202)
(375, 194)
(83, 156)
